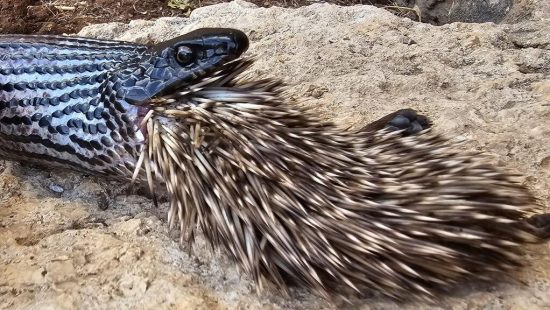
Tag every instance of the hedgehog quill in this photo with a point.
(293, 199)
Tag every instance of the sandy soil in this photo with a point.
(63, 245)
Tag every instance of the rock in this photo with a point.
(130, 285)
(440, 12)
(485, 83)
(470, 11)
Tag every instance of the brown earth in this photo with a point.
(69, 16)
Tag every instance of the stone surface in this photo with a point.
(486, 83)
(440, 12)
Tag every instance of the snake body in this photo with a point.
(77, 102)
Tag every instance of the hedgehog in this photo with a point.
(295, 200)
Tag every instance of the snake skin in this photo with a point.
(78, 102)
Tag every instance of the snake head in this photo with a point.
(173, 64)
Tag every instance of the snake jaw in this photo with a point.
(173, 135)
(227, 84)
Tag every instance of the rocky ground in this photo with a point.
(63, 245)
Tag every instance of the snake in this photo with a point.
(77, 103)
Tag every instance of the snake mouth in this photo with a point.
(218, 52)
(177, 125)
(227, 76)
(222, 85)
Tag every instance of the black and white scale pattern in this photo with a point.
(78, 102)
(52, 110)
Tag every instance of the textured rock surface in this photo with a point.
(486, 83)
(439, 12)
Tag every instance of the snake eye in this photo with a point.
(184, 55)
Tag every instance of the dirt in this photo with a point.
(70, 16)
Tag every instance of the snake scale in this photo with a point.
(77, 102)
